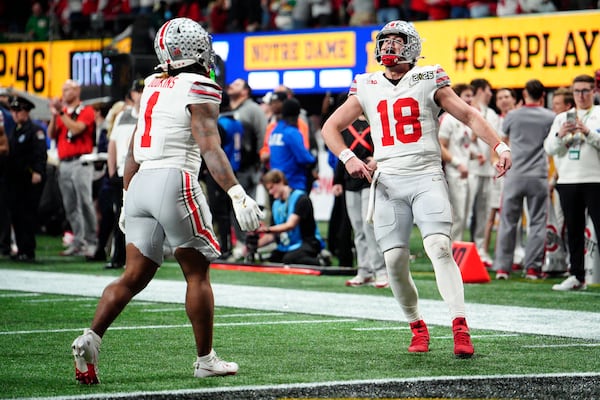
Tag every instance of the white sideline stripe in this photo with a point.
(529, 320)
(400, 328)
(481, 336)
(10, 295)
(541, 346)
(172, 394)
(128, 328)
(60, 300)
(387, 328)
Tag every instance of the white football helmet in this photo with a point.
(411, 51)
(181, 42)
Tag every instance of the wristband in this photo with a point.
(501, 147)
(345, 155)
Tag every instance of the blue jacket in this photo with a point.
(289, 155)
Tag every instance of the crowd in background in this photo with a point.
(36, 20)
(276, 134)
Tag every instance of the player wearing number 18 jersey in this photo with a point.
(176, 131)
(402, 105)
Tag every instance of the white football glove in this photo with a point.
(246, 209)
(122, 215)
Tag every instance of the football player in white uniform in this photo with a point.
(402, 105)
(176, 130)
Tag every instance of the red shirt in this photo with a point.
(79, 144)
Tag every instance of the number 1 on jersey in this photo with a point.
(146, 138)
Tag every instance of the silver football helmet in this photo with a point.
(181, 42)
(411, 51)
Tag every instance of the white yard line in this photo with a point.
(140, 327)
(574, 324)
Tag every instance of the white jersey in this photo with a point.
(163, 138)
(458, 136)
(121, 132)
(482, 147)
(403, 118)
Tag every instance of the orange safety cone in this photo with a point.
(470, 264)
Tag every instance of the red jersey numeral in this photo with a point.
(146, 138)
(407, 127)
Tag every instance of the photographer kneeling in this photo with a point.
(293, 223)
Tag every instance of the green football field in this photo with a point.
(294, 336)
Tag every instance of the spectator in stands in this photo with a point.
(218, 16)
(282, 11)
(321, 13)
(38, 24)
(419, 10)
(574, 141)
(245, 15)
(363, 13)
(390, 10)
(293, 225)
(72, 126)
(191, 9)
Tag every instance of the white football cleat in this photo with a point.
(85, 350)
(211, 365)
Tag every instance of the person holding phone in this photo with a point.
(574, 141)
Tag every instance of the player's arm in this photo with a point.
(206, 133)
(332, 129)
(449, 101)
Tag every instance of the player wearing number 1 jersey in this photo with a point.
(176, 130)
(402, 105)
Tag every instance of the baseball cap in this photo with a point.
(281, 96)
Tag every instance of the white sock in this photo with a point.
(403, 287)
(447, 273)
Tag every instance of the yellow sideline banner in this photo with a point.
(509, 51)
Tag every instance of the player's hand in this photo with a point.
(247, 211)
(358, 169)
(504, 163)
(122, 215)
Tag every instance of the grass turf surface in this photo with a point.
(155, 353)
